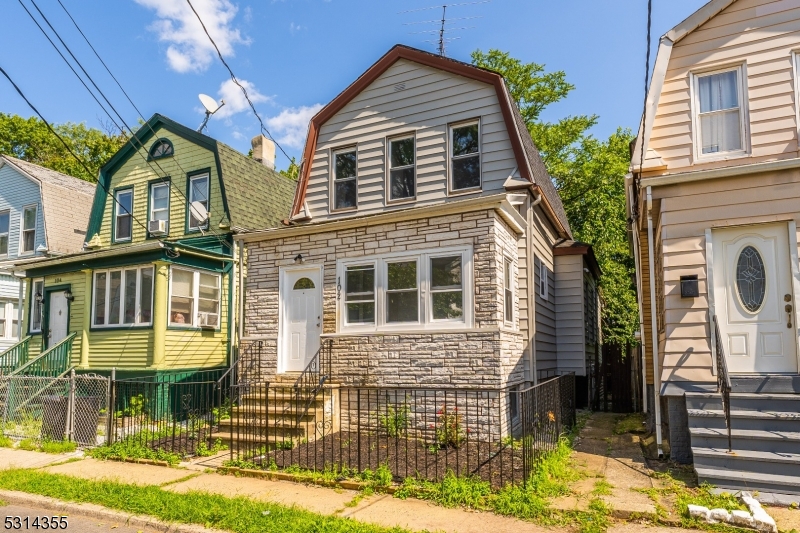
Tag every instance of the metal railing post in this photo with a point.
(71, 407)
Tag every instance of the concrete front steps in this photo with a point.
(765, 441)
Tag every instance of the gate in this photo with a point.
(615, 380)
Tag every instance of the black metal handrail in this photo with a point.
(723, 380)
(310, 382)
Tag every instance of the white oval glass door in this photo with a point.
(301, 317)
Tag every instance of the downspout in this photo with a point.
(654, 323)
(532, 291)
(20, 310)
(234, 309)
(240, 294)
(638, 266)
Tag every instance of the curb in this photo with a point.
(91, 510)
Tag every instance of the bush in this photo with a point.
(132, 448)
(449, 431)
(6, 442)
(394, 420)
(202, 449)
(28, 444)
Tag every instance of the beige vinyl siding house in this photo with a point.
(716, 202)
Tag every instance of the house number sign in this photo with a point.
(57, 280)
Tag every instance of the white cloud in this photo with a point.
(294, 28)
(235, 101)
(291, 125)
(189, 49)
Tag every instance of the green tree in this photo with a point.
(589, 174)
(30, 139)
(293, 171)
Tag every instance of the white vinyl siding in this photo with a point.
(426, 102)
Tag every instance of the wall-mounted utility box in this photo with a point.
(689, 287)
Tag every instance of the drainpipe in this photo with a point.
(234, 309)
(638, 266)
(532, 291)
(654, 323)
(240, 329)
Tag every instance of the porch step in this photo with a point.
(744, 401)
(736, 480)
(747, 439)
(252, 439)
(762, 420)
(754, 461)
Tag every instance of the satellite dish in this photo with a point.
(199, 212)
(211, 106)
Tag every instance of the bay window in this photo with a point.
(37, 292)
(194, 298)
(428, 289)
(719, 116)
(123, 297)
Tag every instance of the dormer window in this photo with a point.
(402, 179)
(345, 179)
(123, 218)
(719, 118)
(5, 217)
(465, 157)
(161, 148)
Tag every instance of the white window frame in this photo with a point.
(425, 308)
(389, 168)
(343, 282)
(22, 229)
(744, 115)
(508, 290)
(195, 298)
(34, 304)
(795, 80)
(138, 306)
(7, 234)
(7, 326)
(117, 215)
(544, 289)
(332, 186)
(153, 186)
(386, 291)
(450, 127)
(207, 176)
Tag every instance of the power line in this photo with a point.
(233, 77)
(646, 84)
(67, 146)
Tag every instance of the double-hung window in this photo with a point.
(198, 201)
(123, 221)
(28, 230)
(396, 291)
(123, 297)
(37, 293)
(345, 190)
(5, 217)
(159, 204)
(465, 156)
(508, 290)
(402, 169)
(194, 298)
(719, 117)
(9, 320)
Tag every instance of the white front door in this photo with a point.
(753, 298)
(58, 317)
(301, 317)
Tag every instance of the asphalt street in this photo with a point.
(12, 518)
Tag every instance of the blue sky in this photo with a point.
(296, 55)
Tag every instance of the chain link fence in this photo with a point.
(73, 408)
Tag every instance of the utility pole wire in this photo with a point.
(646, 85)
(233, 77)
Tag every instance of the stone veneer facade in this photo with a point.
(489, 355)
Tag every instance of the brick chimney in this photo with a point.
(264, 151)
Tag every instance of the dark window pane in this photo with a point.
(360, 281)
(402, 152)
(29, 219)
(124, 227)
(302, 284)
(28, 240)
(466, 172)
(402, 275)
(345, 194)
(124, 203)
(3, 244)
(345, 165)
(402, 307)
(447, 305)
(114, 296)
(446, 272)
(146, 299)
(465, 140)
(509, 303)
(4, 222)
(751, 279)
(402, 183)
(129, 313)
(363, 312)
(99, 300)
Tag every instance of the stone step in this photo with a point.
(761, 420)
(738, 480)
(745, 402)
(273, 410)
(278, 423)
(757, 463)
(254, 439)
(747, 439)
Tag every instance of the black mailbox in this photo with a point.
(689, 288)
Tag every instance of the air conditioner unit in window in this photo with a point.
(208, 320)
(157, 227)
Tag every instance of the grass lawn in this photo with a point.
(240, 515)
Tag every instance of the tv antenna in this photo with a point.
(211, 106)
(442, 40)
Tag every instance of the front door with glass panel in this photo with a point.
(57, 318)
(301, 318)
(753, 298)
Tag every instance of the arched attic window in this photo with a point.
(161, 148)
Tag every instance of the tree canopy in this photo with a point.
(29, 139)
(589, 174)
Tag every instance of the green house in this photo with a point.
(153, 290)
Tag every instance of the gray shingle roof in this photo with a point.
(66, 203)
(258, 197)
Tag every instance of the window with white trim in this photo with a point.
(198, 192)
(508, 290)
(719, 116)
(402, 169)
(9, 320)
(37, 293)
(395, 291)
(543, 275)
(465, 156)
(5, 218)
(345, 179)
(123, 207)
(123, 297)
(159, 202)
(194, 298)
(27, 239)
